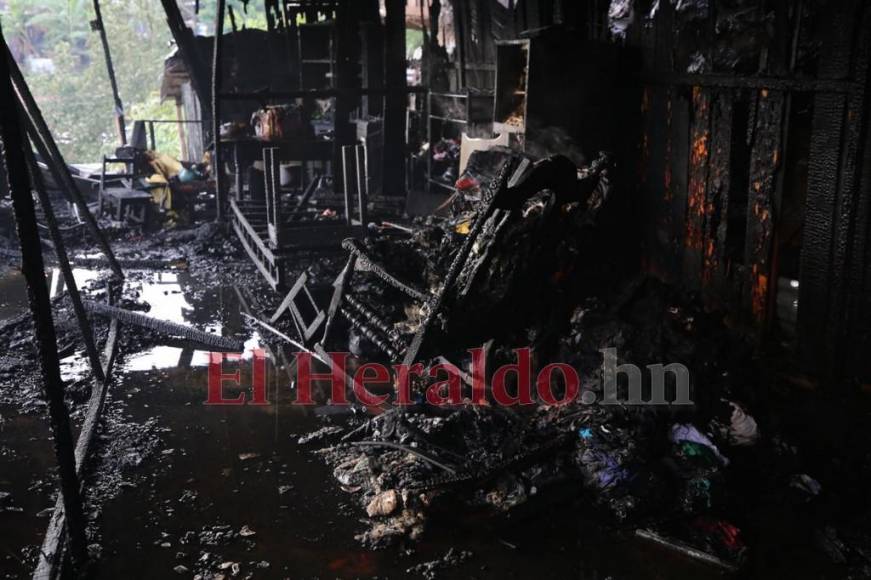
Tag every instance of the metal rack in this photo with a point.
(476, 109)
(316, 71)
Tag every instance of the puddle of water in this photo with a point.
(13, 287)
(13, 293)
(26, 460)
(169, 296)
(75, 367)
(243, 467)
(82, 276)
(163, 292)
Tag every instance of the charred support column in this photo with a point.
(217, 166)
(97, 25)
(40, 305)
(395, 102)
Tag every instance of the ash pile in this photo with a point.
(528, 260)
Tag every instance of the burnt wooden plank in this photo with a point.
(860, 275)
(694, 229)
(764, 164)
(653, 165)
(717, 195)
(823, 183)
(656, 176)
(850, 251)
(655, 148)
(677, 175)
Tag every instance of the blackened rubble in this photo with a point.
(681, 475)
(667, 200)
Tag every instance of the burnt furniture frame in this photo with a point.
(379, 331)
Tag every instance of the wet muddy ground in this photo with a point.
(180, 489)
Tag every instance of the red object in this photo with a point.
(726, 531)
(467, 183)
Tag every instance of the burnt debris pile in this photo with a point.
(660, 435)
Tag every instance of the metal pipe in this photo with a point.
(216, 111)
(276, 332)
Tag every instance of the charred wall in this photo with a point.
(745, 153)
(753, 170)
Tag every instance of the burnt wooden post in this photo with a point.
(40, 305)
(395, 102)
(347, 181)
(220, 193)
(272, 173)
(834, 196)
(345, 81)
(97, 25)
(362, 189)
(46, 146)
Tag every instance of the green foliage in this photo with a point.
(413, 41)
(76, 99)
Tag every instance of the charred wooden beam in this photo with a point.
(47, 147)
(693, 238)
(824, 191)
(98, 26)
(764, 164)
(299, 210)
(437, 302)
(346, 78)
(850, 220)
(33, 268)
(49, 565)
(717, 195)
(396, 100)
(164, 326)
(339, 291)
(217, 161)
